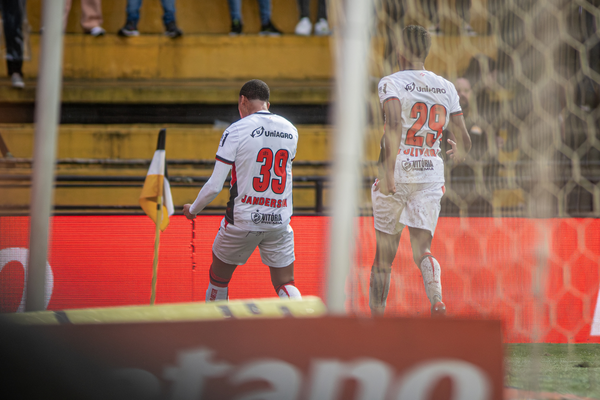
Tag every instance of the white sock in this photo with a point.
(431, 272)
(288, 291)
(214, 293)
(378, 289)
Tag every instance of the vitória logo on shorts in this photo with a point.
(256, 217)
(271, 219)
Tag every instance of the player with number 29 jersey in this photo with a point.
(417, 106)
(260, 148)
(428, 101)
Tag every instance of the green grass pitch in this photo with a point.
(560, 368)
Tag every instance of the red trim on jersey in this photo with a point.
(219, 158)
(456, 114)
(388, 99)
(233, 176)
(443, 189)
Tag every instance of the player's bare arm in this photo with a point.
(392, 110)
(462, 143)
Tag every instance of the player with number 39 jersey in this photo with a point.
(260, 148)
(428, 101)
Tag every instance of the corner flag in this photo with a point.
(157, 185)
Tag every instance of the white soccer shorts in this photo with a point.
(415, 205)
(234, 245)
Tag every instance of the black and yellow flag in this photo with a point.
(157, 184)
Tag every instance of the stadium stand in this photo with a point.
(118, 92)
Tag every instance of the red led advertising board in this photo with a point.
(315, 358)
(490, 268)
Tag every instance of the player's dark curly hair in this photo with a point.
(255, 89)
(416, 41)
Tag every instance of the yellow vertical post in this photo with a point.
(159, 213)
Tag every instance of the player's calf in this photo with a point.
(288, 291)
(217, 288)
(378, 289)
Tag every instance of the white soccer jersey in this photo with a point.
(428, 101)
(260, 147)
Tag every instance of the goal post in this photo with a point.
(352, 50)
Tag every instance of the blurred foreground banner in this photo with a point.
(317, 358)
(491, 268)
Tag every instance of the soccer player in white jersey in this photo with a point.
(259, 150)
(417, 105)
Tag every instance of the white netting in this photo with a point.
(517, 237)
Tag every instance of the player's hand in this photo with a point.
(453, 153)
(385, 188)
(390, 187)
(187, 213)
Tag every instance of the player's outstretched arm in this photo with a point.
(392, 110)
(462, 145)
(209, 191)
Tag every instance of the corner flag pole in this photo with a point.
(156, 246)
(156, 199)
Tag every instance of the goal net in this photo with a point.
(518, 236)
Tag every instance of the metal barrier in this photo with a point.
(317, 183)
(472, 189)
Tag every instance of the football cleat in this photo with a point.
(438, 310)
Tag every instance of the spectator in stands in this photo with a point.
(479, 162)
(392, 12)
(91, 16)
(267, 28)
(482, 73)
(133, 16)
(12, 18)
(304, 26)
(474, 123)
(463, 9)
